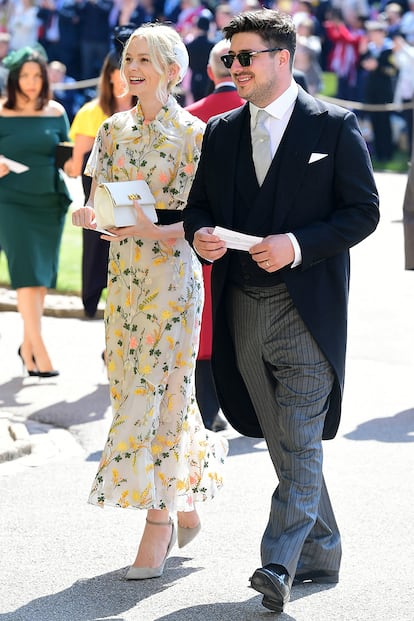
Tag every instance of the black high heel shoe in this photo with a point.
(52, 373)
(31, 373)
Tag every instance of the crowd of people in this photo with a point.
(367, 46)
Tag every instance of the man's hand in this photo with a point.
(273, 253)
(207, 245)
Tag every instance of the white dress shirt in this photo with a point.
(279, 113)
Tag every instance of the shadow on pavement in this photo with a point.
(243, 445)
(249, 610)
(96, 456)
(100, 597)
(65, 414)
(397, 428)
(9, 392)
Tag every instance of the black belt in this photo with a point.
(169, 216)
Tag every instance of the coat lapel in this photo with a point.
(298, 143)
(231, 130)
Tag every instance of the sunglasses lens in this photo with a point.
(244, 59)
(227, 60)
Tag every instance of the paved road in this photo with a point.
(63, 560)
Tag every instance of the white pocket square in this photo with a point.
(315, 157)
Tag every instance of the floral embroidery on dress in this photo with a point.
(158, 453)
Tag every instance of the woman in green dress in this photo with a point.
(33, 203)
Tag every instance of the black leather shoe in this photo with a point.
(318, 576)
(275, 584)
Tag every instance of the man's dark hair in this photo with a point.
(276, 29)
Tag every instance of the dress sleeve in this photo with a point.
(64, 128)
(99, 164)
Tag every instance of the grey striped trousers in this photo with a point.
(289, 381)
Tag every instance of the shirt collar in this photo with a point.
(225, 83)
(279, 106)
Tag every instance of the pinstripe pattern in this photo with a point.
(289, 381)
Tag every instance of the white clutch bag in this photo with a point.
(113, 203)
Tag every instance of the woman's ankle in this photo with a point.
(154, 541)
(188, 519)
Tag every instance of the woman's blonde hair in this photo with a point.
(165, 48)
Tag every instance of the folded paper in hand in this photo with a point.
(16, 167)
(235, 240)
(114, 207)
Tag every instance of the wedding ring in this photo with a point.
(267, 264)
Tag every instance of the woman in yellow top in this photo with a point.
(85, 125)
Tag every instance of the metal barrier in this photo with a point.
(71, 86)
(366, 107)
(345, 103)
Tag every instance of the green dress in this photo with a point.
(33, 204)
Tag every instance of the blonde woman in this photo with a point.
(158, 455)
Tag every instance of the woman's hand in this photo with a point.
(4, 169)
(68, 167)
(84, 217)
(146, 229)
(143, 228)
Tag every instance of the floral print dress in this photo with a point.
(158, 453)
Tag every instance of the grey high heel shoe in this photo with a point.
(144, 573)
(185, 535)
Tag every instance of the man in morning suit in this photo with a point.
(280, 309)
(223, 98)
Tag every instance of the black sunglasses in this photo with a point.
(245, 58)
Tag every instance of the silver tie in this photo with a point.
(262, 154)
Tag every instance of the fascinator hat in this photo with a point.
(15, 59)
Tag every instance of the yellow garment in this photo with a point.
(88, 120)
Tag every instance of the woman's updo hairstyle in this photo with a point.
(165, 48)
